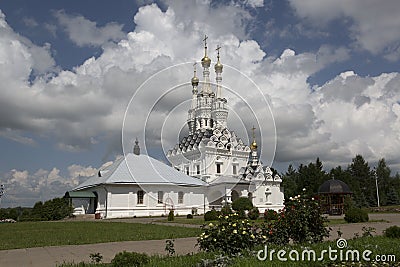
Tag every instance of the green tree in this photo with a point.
(360, 171)
(289, 182)
(241, 205)
(383, 176)
(311, 177)
(393, 197)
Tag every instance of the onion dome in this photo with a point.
(195, 80)
(218, 67)
(206, 61)
(253, 145)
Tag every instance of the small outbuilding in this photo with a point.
(333, 194)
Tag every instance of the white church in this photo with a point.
(211, 167)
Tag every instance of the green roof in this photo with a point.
(80, 194)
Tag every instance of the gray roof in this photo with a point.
(142, 170)
(334, 186)
(228, 179)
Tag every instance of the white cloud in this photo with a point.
(375, 25)
(17, 137)
(79, 108)
(24, 189)
(30, 22)
(84, 32)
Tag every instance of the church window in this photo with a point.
(198, 169)
(234, 169)
(160, 197)
(187, 170)
(205, 122)
(140, 196)
(218, 167)
(180, 197)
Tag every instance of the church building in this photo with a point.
(211, 167)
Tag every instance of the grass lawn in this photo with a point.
(198, 220)
(37, 234)
(377, 245)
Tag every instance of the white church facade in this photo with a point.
(211, 167)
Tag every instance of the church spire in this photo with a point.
(136, 148)
(253, 147)
(218, 70)
(206, 63)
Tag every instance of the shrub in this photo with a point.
(392, 232)
(230, 235)
(270, 215)
(189, 216)
(300, 221)
(211, 215)
(242, 204)
(253, 214)
(355, 215)
(171, 216)
(226, 210)
(125, 258)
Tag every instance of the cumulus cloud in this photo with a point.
(23, 188)
(84, 32)
(375, 26)
(81, 107)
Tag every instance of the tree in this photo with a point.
(241, 204)
(311, 177)
(289, 182)
(392, 197)
(360, 171)
(383, 176)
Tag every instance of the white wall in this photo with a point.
(117, 201)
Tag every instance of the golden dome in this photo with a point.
(195, 81)
(206, 62)
(218, 67)
(253, 145)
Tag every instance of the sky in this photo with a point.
(327, 72)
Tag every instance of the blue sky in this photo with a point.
(68, 69)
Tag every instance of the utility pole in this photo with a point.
(1, 192)
(377, 188)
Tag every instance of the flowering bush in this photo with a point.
(253, 214)
(300, 221)
(211, 215)
(270, 215)
(230, 235)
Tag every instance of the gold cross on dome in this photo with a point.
(218, 48)
(194, 68)
(205, 40)
(254, 134)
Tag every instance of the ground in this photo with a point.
(50, 256)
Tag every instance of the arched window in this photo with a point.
(160, 197)
(218, 167)
(180, 197)
(140, 196)
(198, 169)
